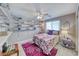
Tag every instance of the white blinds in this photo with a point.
(53, 25)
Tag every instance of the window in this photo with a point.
(53, 25)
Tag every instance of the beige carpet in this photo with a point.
(62, 51)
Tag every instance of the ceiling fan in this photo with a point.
(40, 14)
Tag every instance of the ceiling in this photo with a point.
(28, 10)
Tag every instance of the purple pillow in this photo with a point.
(50, 32)
(53, 32)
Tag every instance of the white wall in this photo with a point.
(78, 32)
(78, 35)
(22, 36)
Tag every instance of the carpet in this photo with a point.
(31, 49)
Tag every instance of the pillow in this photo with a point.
(53, 32)
(49, 32)
(68, 43)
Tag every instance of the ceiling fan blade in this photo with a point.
(37, 8)
(38, 13)
(46, 14)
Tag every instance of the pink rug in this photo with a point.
(32, 49)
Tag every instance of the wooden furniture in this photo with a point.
(9, 53)
(3, 39)
(3, 33)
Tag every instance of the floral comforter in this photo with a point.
(45, 42)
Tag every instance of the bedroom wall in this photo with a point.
(78, 36)
(78, 30)
(21, 36)
(71, 19)
(26, 35)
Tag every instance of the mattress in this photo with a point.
(46, 42)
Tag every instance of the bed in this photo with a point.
(46, 42)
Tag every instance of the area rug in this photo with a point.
(31, 49)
